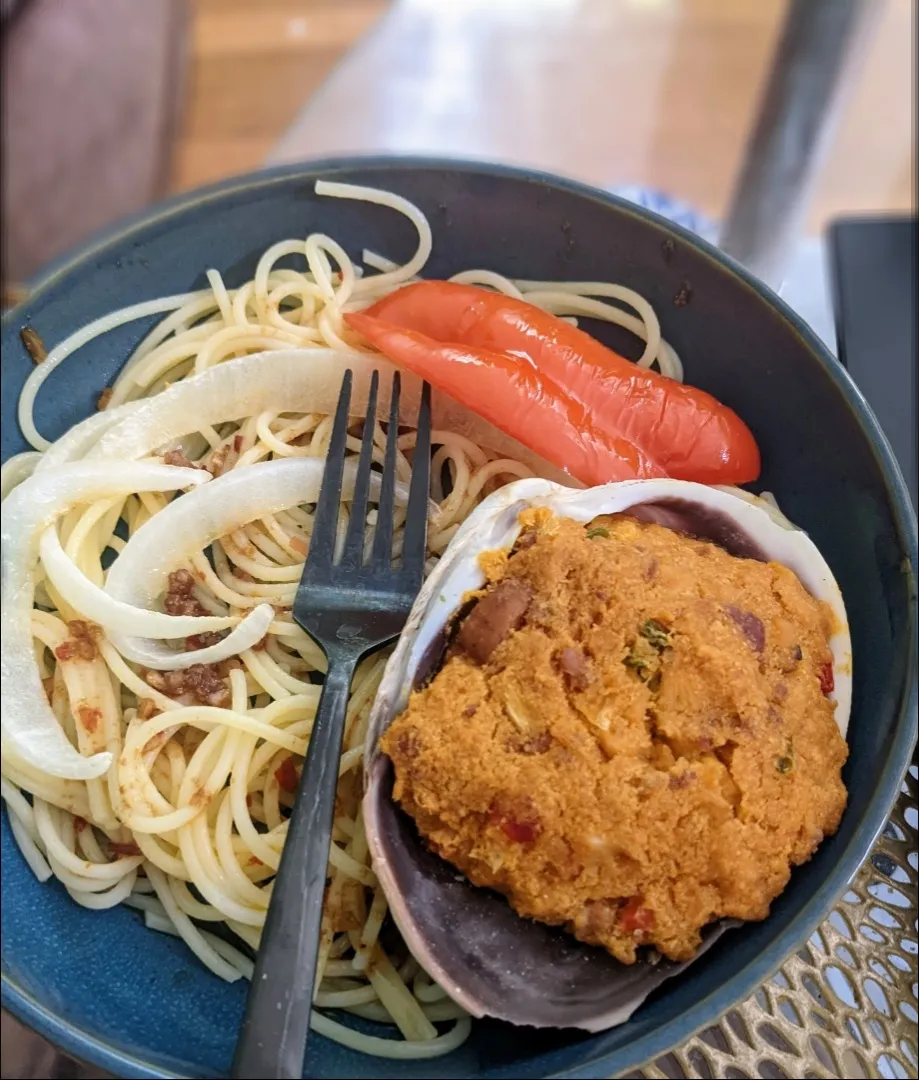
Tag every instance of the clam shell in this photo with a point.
(490, 960)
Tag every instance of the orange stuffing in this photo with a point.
(630, 735)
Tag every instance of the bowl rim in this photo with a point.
(85, 1046)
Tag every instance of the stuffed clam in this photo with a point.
(614, 724)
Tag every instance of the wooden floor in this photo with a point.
(254, 65)
(653, 92)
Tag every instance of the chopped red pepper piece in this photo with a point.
(827, 680)
(287, 775)
(522, 829)
(634, 917)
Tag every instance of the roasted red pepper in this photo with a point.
(686, 431)
(515, 398)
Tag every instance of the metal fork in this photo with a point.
(349, 608)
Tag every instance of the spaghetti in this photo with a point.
(187, 822)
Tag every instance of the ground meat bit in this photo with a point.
(525, 540)
(147, 709)
(576, 668)
(181, 582)
(499, 611)
(179, 599)
(535, 744)
(750, 625)
(81, 643)
(216, 460)
(680, 780)
(177, 458)
(89, 717)
(202, 681)
(409, 745)
(203, 641)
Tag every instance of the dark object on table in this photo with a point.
(874, 284)
(819, 41)
(136, 1002)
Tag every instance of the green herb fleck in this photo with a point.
(636, 661)
(656, 633)
(592, 534)
(786, 763)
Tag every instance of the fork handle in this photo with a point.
(272, 1040)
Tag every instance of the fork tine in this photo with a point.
(353, 553)
(416, 521)
(325, 522)
(381, 555)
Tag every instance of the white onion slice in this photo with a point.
(304, 380)
(29, 727)
(76, 442)
(187, 525)
(17, 468)
(161, 658)
(95, 604)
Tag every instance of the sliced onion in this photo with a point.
(29, 727)
(304, 380)
(187, 525)
(17, 468)
(95, 604)
(75, 443)
(249, 632)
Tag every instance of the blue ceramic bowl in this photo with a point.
(134, 1002)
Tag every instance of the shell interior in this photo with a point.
(489, 959)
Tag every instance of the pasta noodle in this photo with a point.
(189, 822)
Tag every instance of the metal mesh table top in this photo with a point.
(845, 1005)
